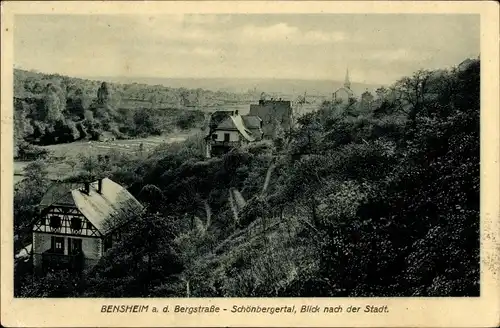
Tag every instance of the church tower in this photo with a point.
(344, 94)
(347, 82)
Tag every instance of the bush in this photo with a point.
(28, 152)
(189, 119)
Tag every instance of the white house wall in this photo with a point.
(233, 135)
(41, 242)
(92, 247)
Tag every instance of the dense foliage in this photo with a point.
(356, 201)
(51, 109)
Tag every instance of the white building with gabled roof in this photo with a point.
(344, 93)
(233, 131)
(77, 223)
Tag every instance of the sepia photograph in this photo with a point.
(246, 155)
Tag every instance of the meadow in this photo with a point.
(62, 156)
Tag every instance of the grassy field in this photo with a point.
(60, 153)
(95, 147)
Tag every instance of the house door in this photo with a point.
(226, 137)
(74, 246)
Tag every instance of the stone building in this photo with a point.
(273, 113)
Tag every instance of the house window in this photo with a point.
(57, 244)
(76, 224)
(214, 136)
(226, 136)
(89, 225)
(55, 222)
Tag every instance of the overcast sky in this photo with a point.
(376, 48)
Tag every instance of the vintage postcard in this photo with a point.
(249, 164)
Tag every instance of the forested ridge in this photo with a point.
(353, 202)
(51, 108)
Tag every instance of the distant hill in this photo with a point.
(127, 92)
(236, 85)
(52, 108)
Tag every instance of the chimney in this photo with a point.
(236, 112)
(86, 187)
(99, 186)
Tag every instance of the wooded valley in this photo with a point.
(351, 202)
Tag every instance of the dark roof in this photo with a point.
(275, 102)
(227, 124)
(252, 121)
(59, 193)
(218, 117)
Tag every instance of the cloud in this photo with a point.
(206, 52)
(315, 46)
(211, 31)
(319, 36)
(205, 19)
(272, 33)
(284, 33)
(188, 28)
(398, 55)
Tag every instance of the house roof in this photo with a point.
(235, 123)
(227, 124)
(104, 210)
(252, 121)
(217, 117)
(240, 125)
(59, 193)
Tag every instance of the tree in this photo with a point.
(90, 165)
(415, 232)
(145, 259)
(77, 103)
(53, 105)
(27, 195)
(152, 197)
(145, 123)
(66, 131)
(103, 94)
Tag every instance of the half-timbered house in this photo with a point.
(78, 223)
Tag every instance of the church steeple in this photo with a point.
(347, 82)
